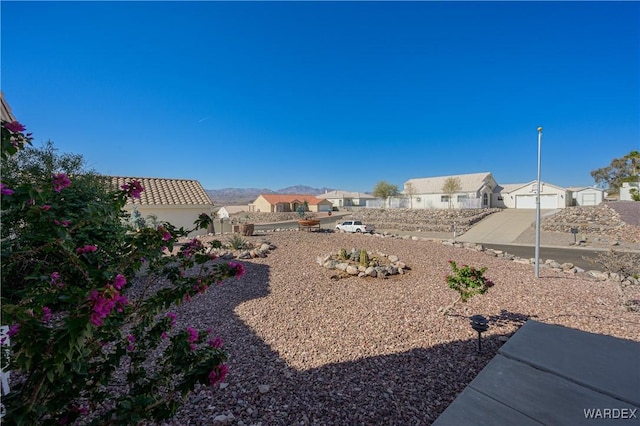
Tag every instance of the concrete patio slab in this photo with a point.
(553, 375)
(603, 363)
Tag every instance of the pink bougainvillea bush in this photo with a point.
(83, 346)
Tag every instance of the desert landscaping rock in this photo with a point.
(374, 351)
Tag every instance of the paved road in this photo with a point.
(559, 254)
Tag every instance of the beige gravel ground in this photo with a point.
(309, 349)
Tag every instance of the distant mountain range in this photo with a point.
(240, 196)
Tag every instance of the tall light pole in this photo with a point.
(538, 208)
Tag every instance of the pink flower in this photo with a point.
(238, 268)
(63, 223)
(55, 277)
(46, 207)
(14, 127)
(13, 330)
(119, 282)
(86, 249)
(46, 314)
(104, 302)
(131, 338)
(5, 190)
(193, 334)
(133, 189)
(218, 374)
(172, 316)
(215, 343)
(163, 335)
(60, 182)
(191, 247)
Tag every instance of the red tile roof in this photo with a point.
(274, 199)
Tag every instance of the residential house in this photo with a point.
(475, 191)
(225, 212)
(177, 201)
(523, 196)
(627, 189)
(502, 191)
(288, 203)
(586, 195)
(341, 199)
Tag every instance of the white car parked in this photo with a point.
(354, 226)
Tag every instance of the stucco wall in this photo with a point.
(177, 216)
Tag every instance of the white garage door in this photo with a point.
(588, 200)
(547, 201)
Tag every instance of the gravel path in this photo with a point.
(309, 349)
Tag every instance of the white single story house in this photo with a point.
(271, 203)
(346, 199)
(523, 196)
(475, 191)
(177, 201)
(586, 195)
(225, 212)
(626, 189)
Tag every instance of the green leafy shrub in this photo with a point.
(81, 331)
(468, 281)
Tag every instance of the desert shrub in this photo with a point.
(468, 281)
(236, 242)
(623, 263)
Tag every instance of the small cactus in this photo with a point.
(342, 254)
(364, 258)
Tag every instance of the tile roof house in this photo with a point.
(177, 201)
(475, 191)
(5, 110)
(288, 203)
(346, 199)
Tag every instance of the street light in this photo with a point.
(537, 260)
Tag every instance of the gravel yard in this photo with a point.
(309, 349)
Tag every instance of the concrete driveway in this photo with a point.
(502, 227)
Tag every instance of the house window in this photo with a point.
(500, 198)
(462, 197)
(444, 198)
(485, 199)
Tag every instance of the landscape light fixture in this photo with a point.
(479, 324)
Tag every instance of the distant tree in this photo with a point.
(451, 186)
(385, 190)
(410, 191)
(624, 169)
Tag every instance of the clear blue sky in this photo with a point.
(327, 94)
